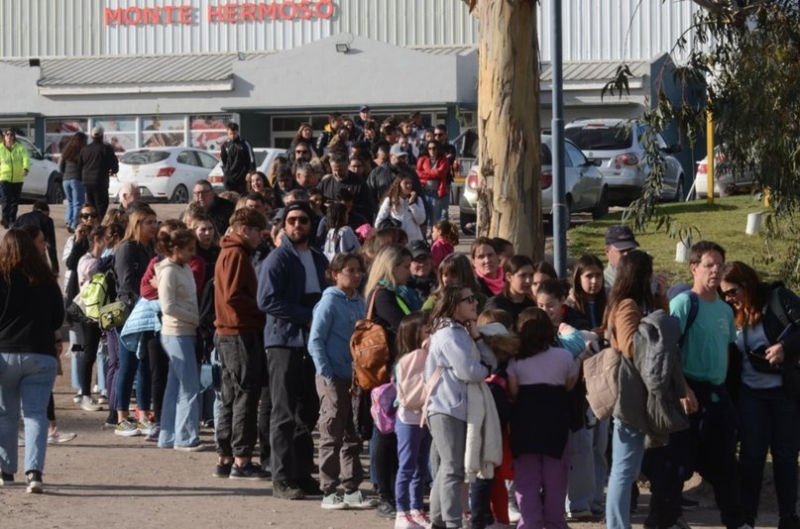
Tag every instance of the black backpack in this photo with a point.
(208, 314)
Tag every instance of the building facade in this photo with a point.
(173, 72)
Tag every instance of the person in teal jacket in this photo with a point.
(15, 162)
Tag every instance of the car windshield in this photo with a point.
(260, 157)
(144, 157)
(600, 138)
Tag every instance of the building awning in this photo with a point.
(582, 75)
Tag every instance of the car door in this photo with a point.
(583, 177)
(35, 183)
(189, 170)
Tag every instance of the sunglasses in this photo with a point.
(89, 215)
(469, 299)
(301, 152)
(303, 221)
(730, 292)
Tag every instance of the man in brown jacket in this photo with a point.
(238, 340)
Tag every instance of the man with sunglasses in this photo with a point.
(290, 282)
(15, 163)
(238, 160)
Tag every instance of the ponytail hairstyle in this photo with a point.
(168, 240)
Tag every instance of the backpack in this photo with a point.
(333, 243)
(95, 294)
(369, 347)
(383, 409)
(694, 308)
(411, 383)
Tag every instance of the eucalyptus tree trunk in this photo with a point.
(509, 186)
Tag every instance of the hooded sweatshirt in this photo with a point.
(178, 295)
(235, 289)
(334, 321)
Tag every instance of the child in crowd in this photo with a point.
(444, 235)
(413, 440)
(542, 271)
(505, 250)
(334, 321)
(340, 237)
(402, 208)
(588, 294)
(539, 378)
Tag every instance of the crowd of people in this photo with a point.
(240, 315)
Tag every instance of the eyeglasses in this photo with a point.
(731, 292)
(469, 299)
(201, 193)
(438, 134)
(89, 215)
(303, 151)
(9, 134)
(303, 221)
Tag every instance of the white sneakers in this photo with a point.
(412, 520)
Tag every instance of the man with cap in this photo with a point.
(364, 115)
(619, 241)
(423, 275)
(15, 162)
(381, 178)
(290, 282)
(97, 163)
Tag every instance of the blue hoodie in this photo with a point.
(334, 321)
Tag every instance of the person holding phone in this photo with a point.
(767, 343)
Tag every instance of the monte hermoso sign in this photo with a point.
(229, 13)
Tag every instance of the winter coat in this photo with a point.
(410, 216)
(433, 175)
(484, 447)
(238, 159)
(97, 162)
(334, 321)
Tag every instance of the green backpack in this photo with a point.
(95, 295)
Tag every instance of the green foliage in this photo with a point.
(750, 53)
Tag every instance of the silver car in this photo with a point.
(618, 146)
(586, 189)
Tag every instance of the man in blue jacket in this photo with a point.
(290, 282)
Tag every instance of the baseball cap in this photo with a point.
(419, 249)
(621, 238)
(364, 108)
(397, 150)
(97, 132)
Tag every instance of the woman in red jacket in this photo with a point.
(432, 170)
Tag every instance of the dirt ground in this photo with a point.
(100, 479)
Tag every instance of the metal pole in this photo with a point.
(560, 218)
(710, 159)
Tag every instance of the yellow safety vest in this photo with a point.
(13, 162)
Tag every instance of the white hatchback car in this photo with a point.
(728, 180)
(264, 159)
(44, 179)
(163, 173)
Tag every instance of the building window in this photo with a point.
(208, 131)
(59, 131)
(163, 131)
(120, 132)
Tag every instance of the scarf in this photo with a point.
(496, 284)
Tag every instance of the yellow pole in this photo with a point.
(710, 157)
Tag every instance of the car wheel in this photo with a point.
(679, 190)
(180, 195)
(467, 222)
(601, 209)
(55, 191)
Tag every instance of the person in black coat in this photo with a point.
(40, 217)
(238, 160)
(219, 209)
(97, 163)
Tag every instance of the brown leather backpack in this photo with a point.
(369, 346)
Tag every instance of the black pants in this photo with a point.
(91, 341)
(385, 461)
(97, 196)
(51, 408)
(480, 495)
(708, 447)
(9, 196)
(159, 371)
(242, 362)
(264, 413)
(295, 409)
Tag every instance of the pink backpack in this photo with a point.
(383, 410)
(411, 379)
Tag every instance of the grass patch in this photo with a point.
(723, 222)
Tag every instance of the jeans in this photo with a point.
(450, 436)
(599, 447)
(480, 498)
(73, 190)
(130, 368)
(627, 450)
(581, 489)
(264, 413)
(102, 361)
(434, 206)
(180, 416)
(541, 483)
(339, 444)
(384, 459)
(413, 453)
(769, 421)
(295, 409)
(26, 380)
(97, 196)
(112, 369)
(9, 198)
(242, 372)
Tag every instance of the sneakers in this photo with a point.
(421, 517)
(144, 426)
(34, 482)
(386, 510)
(126, 428)
(222, 470)
(688, 505)
(404, 520)
(333, 502)
(579, 516)
(789, 522)
(78, 398)
(6, 479)
(89, 404)
(356, 500)
(56, 437)
(513, 513)
(286, 491)
(102, 399)
(310, 487)
(155, 430)
(249, 472)
(194, 447)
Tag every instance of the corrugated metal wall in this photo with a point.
(593, 29)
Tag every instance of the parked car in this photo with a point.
(586, 189)
(44, 179)
(163, 173)
(618, 145)
(264, 159)
(728, 180)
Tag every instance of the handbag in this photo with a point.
(113, 315)
(601, 375)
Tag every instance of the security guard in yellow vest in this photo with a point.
(15, 162)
